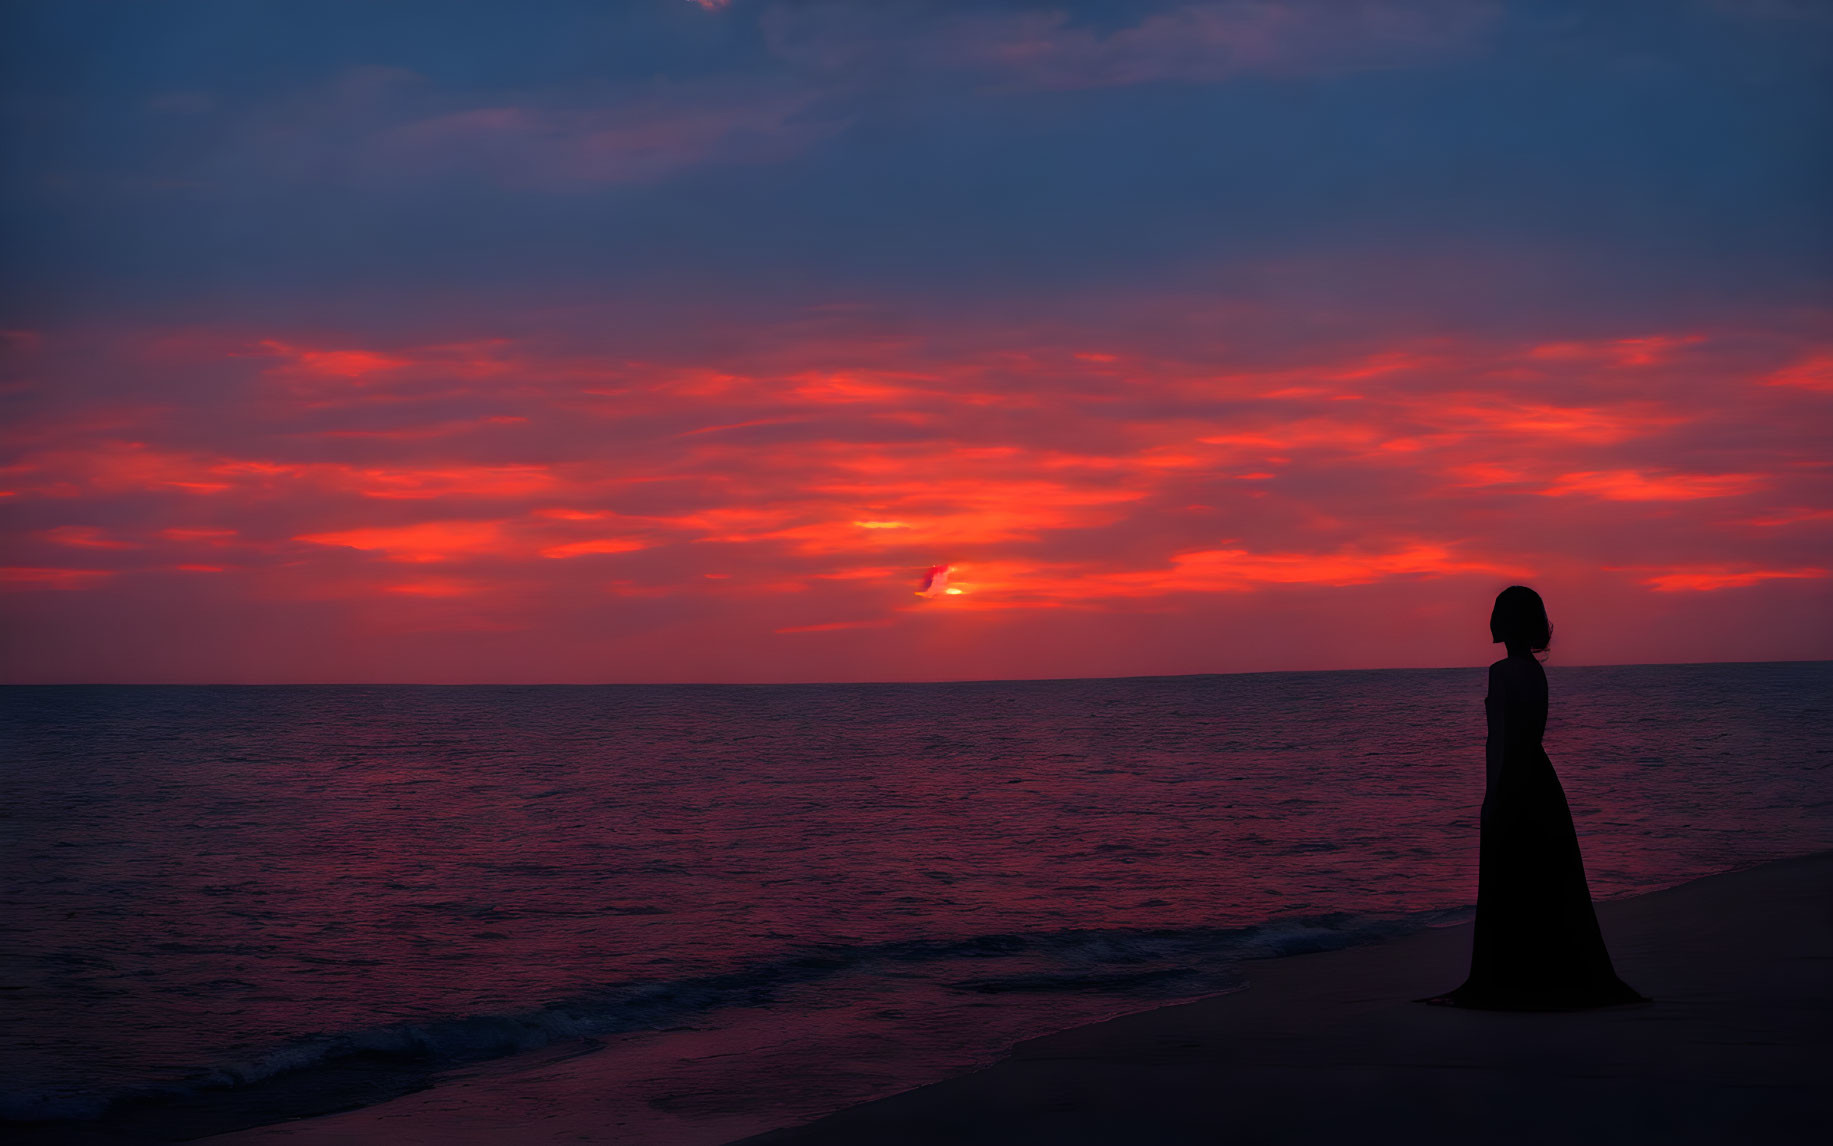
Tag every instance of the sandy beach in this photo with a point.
(1320, 1048)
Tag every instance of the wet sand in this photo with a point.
(1321, 1048)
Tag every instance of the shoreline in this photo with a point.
(1336, 1023)
(1316, 1047)
(1324, 1047)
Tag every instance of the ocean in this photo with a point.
(858, 887)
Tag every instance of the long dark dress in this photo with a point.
(1537, 944)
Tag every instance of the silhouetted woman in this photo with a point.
(1537, 944)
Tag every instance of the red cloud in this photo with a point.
(1711, 577)
(1652, 350)
(1634, 485)
(426, 541)
(797, 484)
(1223, 570)
(86, 537)
(595, 545)
(355, 365)
(1814, 372)
(35, 577)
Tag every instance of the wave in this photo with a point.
(1155, 963)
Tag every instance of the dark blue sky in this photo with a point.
(674, 340)
(272, 151)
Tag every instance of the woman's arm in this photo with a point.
(1496, 707)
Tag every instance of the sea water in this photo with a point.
(211, 886)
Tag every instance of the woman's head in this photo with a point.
(1520, 618)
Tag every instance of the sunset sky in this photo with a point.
(663, 340)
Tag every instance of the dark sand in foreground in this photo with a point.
(1325, 1048)
(1330, 1048)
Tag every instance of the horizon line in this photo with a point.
(827, 683)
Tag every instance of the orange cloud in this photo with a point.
(1710, 577)
(449, 481)
(1237, 570)
(120, 466)
(595, 545)
(426, 541)
(1795, 516)
(832, 626)
(123, 466)
(1229, 570)
(354, 365)
(1592, 425)
(1475, 474)
(1815, 372)
(1303, 434)
(1633, 485)
(35, 577)
(86, 537)
(848, 387)
(1651, 350)
(206, 536)
(438, 588)
(423, 433)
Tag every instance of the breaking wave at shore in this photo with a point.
(1145, 965)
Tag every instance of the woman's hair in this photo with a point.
(1520, 618)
